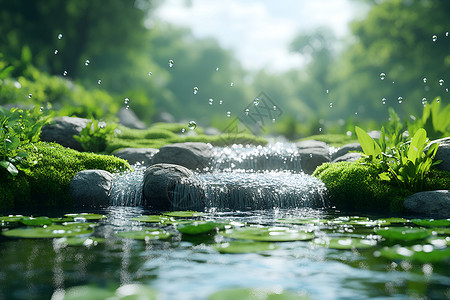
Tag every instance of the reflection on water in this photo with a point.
(189, 268)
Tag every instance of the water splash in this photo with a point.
(127, 188)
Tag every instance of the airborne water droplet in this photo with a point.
(56, 51)
(99, 81)
(434, 38)
(441, 81)
(383, 100)
(327, 91)
(331, 104)
(41, 109)
(228, 114)
(59, 36)
(126, 100)
(170, 63)
(446, 34)
(274, 107)
(382, 76)
(246, 111)
(256, 101)
(217, 69)
(183, 130)
(424, 101)
(65, 73)
(273, 120)
(220, 101)
(149, 73)
(211, 100)
(30, 95)
(231, 83)
(195, 90)
(192, 125)
(400, 100)
(424, 80)
(87, 62)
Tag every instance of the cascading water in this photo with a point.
(239, 178)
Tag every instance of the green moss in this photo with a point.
(356, 186)
(47, 183)
(335, 140)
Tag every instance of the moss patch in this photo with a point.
(354, 186)
(47, 183)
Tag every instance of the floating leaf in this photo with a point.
(39, 221)
(136, 291)
(403, 233)
(80, 241)
(345, 243)
(183, 214)
(302, 221)
(149, 234)
(200, 227)
(128, 291)
(61, 220)
(154, 219)
(269, 234)
(420, 253)
(255, 294)
(395, 220)
(432, 222)
(10, 220)
(235, 247)
(87, 216)
(52, 231)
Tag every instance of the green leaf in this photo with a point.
(431, 222)
(384, 176)
(269, 234)
(154, 219)
(345, 243)
(417, 145)
(183, 214)
(236, 247)
(9, 167)
(52, 231)
(39, 221)
(394, 220)
(403, 233)
(86, 216)
(420, 253)
(255, 294)
(80, 241)
(369, 146)
(87, 292)
(200, 227)
(127, 291)
(12, 143)
(149, 234)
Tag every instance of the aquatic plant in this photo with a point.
(94, 137)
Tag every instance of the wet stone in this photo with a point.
(192, 155)
(90, 188)
(143, 156)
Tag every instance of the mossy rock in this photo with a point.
(354, 186)
(46, 185)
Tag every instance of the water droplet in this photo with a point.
(274, 107)
(30, 95)
(424, 80)
(126, 100)
(228, 113)
(211, 100)
(41, 109)
(327, 91)
(446, 89)
(446, 34)
(256, 101)
(87, 62)
(424, 101)
(220, 101)
(59, 36)
(56, 51)
(99, 81)
(217, 69)
(382, 76)
(231, 83)
(149, 73)
(170, 63)
(246, 111)
(434, 38)
(441, 81)
(127, 107)
(438, 100)
(400, 100)
(356, 112)
(195, 90)
(393, 82)
(65, 73)
(331, 104)
(383, 100)
(320, 129)
(273, 120)
(183, 130)
(192, 125)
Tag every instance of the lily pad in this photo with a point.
(183, 214)
(236, 247)
(149, 234)
(302, 221)
(10, 221)
(269, 234)
(395, 220)
(128, 291)
(154, 219)
(255, 294)
(403, 233)
(52, 231)
(39, 221)
(420, 253)
(431, 222)
(345, 243)
(80, 241)
(61, 220)
(200, 227)
(87, 216)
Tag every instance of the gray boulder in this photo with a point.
(443, 153)
(172, 187)
(308, 144)
(311, 158)
(430, 204)
(346, 149)
(192, 155)
(62, 129)
(90, 188)
(137, 155)
(128, 118)
(350, 157)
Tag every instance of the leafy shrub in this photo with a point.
(94, 137)
(435, 120)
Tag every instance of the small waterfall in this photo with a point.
(240, 178)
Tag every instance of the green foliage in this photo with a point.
(435, 120)
(18, 127)
(47, 182)
(94, 137)
(406, 163)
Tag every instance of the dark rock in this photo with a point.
(164, 117)
(128, 118)
(172, 187)
(62, 129)
(350, 157)
(192, 155)
(443, 153)
(432, 204)
(137, 155)
(90, 188)
(308, 144)
(311, 158)
(346, 149)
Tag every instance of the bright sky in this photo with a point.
(259, 32)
